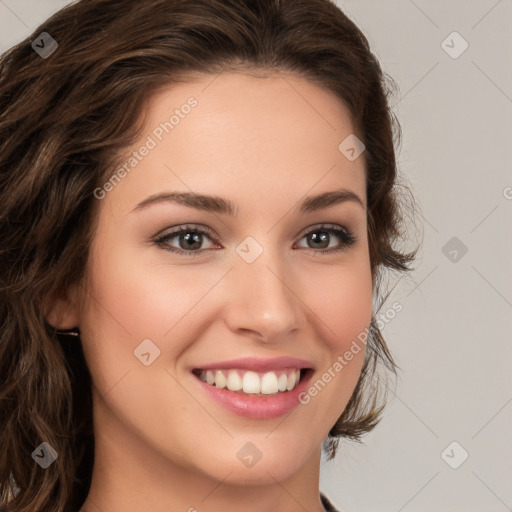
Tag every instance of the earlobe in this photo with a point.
(62, 312)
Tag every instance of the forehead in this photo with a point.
(251, 135)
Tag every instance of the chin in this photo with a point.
(263, 473)
(260, 462)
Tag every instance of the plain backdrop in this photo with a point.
(442, 444)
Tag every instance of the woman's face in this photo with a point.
(262, 284)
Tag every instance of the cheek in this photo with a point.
(137, 299)
(344, 304)
(344, 307)
(131, 300)
(117, 316)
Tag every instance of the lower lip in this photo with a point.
(257, 407)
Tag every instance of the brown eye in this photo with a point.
(319, 238)
(189, 240)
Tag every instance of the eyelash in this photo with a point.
(348, 239)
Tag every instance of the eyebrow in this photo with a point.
(216, 204)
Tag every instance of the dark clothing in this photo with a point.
(329, 507)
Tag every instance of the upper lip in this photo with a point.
(258, 364)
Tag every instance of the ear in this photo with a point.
(62, 310)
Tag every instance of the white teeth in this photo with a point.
(234, 382)
(291, 381)
(267, 383)
(251, 382)
(220, 379)
(282, 381)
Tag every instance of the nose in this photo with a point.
(262, 300)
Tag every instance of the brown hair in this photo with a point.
(65, 119)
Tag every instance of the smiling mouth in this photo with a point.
(247, 382)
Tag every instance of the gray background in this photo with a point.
(453, 337)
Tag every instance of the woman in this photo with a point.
(198, 202)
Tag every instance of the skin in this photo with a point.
(161, 443)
